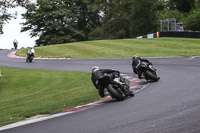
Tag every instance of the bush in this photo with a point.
(97, 34)
(192, 21)
(166, 13)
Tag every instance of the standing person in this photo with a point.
(15, 43)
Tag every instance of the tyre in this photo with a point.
(115, 94)
(151, 76)
(30, 59)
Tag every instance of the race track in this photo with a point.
(171, 105)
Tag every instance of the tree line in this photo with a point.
(62, 21)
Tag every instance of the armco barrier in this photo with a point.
(185, 34)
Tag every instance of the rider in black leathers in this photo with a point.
(97, 74)
(135, 63)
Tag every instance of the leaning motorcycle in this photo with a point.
(147, 71)
(116, 87)
(29, 57)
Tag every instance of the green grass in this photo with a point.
(120, 48)
(26, 93)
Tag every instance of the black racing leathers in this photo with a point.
(137, 60)
(96, 75)
(135, 64)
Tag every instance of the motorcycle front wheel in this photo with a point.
(30, 60)
(115, 94)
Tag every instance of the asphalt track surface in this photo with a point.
(171, 105)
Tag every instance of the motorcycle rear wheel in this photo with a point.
(115, 94)
(151, 76)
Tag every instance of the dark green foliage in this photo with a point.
(166, 13)
(4, 15)
(61, 21)
(182, 5)
(116, 21)
(192, 21)
(143, 17)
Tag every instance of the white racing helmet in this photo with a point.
(135, 56)
(95, 68)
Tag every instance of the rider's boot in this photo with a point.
(101, 92)
(127, 91)
(141, 76)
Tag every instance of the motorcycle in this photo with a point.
(116, 87)
(147, 71)
(29, 57)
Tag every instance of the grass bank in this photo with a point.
(26, 93)
(119, 48)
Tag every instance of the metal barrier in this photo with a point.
(185, 34)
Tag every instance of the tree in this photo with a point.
(116, 20)
(143, 16)
(182, 5)
(183, 10)
(60, 21)
(88, 17)
(167, 13)
(192, 21)
(4, 15)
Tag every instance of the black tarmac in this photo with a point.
(171, 105)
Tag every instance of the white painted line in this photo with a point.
(141, 88)
(38, 119)
(194, 57)
(34, 120)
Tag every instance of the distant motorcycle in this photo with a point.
(29, 57)
(146, 71)
(116, 87)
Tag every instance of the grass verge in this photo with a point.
(120, 48)
(26, 93)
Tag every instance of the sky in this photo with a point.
(12, 31)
